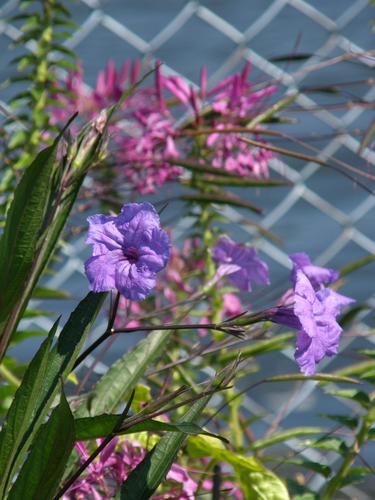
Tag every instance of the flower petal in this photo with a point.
(134, 283)
(103, 234)
(317, 275)
(100, 271)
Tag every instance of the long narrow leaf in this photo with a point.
(22, 411)
(146, 477)
(21, 235)
(281, 437)
(222, 198)
(123, 375)
(40, 385)
(101, 425)
(44, 467)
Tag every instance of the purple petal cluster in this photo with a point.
(241, 263)
(128, 251)
(314, 309)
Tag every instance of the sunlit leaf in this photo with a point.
(255, 480)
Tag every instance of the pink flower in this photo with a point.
(231, 490)
(144, 155)
(232, 305)
(104, 477)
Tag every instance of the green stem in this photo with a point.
(39, 118)
(9, 376)
(336, 482)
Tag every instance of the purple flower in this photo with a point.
(317, 275)
(243, 263)
(317, 311)
(312, 309)
(128, 251)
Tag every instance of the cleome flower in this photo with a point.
(128, 251)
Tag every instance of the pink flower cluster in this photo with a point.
(105, 475)
(234, 104)
(145, 132)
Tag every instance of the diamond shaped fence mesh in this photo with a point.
(323, 212)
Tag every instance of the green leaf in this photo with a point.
(67, 65)
(102, 425)
(354, 394)
(356, 476)
(352, 313)
(322, 469)
(17, 139)
(36, 313)
(123, 375)
(367, 137)
(200, 168)
(43, 469)
(33, 227)
(357, 368)
(242, 182)
(42, 292)
(142, 395)
(19, 241)
(33, 21)
(272, 110)
(280, 437)
(22, 412)
(21, 335)
(61, 48)
(319, 377)
(346, 420)
(356, 264)
(260, 347)
(143, 481)
(291, 57)
(40, 385)
(301, 492)
(255, 480)
(221, 198)
(329, 443)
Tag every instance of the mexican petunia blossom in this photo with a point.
(317, 275)
(243, 264)
(312, 309)
(128, 251)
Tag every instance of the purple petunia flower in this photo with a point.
(128, 251)
(317, 311)
(317, 275)
(243, 264)
(312, 309)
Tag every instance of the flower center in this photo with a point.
(131, 253)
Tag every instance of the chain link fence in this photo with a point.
(323, 213)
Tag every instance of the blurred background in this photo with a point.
(314, 47)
